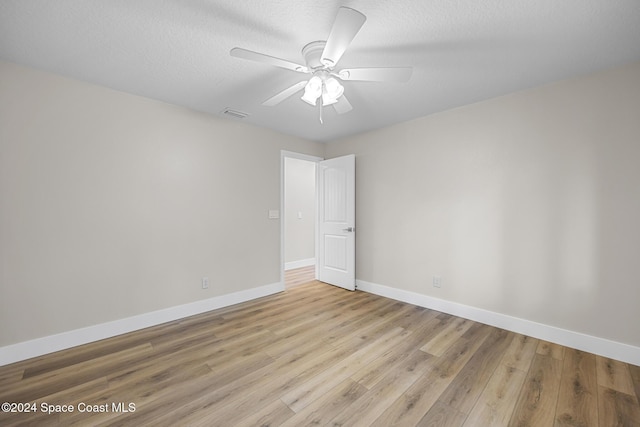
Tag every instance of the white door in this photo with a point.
(336, 254)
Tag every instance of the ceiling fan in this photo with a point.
(321, 58)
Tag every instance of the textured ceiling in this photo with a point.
(177, 51)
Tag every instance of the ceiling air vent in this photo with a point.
(234, 113)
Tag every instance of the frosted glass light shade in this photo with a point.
(312, 90)
(332, 90)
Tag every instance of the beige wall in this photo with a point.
(112, 205)
(526, 205)
(300, 193)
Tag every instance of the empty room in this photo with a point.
(345, 213)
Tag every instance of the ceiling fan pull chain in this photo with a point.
(320, 107)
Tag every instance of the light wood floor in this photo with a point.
(320, 355)
(299, 276)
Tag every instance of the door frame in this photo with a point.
(283, 155)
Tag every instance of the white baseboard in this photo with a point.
(299, 264)
(38, 347)
(600, 346)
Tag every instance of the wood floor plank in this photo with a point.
(256, 390)
(28, 419)
(274, 414)
(411, 407)
(218, 356)
(635, 378)
(365, 410)
(326, 407)
(34, 388)
(300, 324)
(375, 371)
(337, 318)
(210, 346)
(445, 339)
(150, 410)
(72, 396)
(319, 321)
(140, 390)
(367, 328)
(89, 352)
(495, 405)
(303, 395)
(338, 358)
(287, 344)
(349, 326)
(201, 400)
(617, 409)
(11, 374)
(546, 348)
(578, 396)
(466, 387)
(441, 415)
(77, 393)
(415, 317)
(299, 276)
(614, 375)
(536, 404)
(520, 353)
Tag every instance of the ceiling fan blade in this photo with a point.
(278, 98)
(343, 105)
(346, 26)
(390, 74)
(239, 52)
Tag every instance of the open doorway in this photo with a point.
(298, 218)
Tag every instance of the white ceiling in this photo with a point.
(462, 51)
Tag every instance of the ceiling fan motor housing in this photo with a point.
(312, 54)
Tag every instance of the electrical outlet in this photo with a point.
(437, 281)
(205, 283)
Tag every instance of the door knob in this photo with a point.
(348, 229)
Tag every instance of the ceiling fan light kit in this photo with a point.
(322, 84)
(321, 57)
